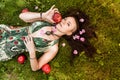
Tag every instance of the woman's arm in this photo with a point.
(35, 16)
(44, 59)
(35, 63)
(30, 16)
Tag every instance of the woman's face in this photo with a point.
(67, 25)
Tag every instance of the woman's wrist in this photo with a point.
(32, 54)
(41, 15)
(31, 58)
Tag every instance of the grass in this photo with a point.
(104, 16)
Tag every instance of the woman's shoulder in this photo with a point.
(54, 47)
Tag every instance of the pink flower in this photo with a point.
(82, 39)
(80, 32)
(63, 44)
(83, 30)
(77, 36)
(75, 52)
(74, 37)
(81, 20)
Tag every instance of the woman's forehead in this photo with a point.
(70, 19)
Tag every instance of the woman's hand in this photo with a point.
(29, 44)
(47, 16)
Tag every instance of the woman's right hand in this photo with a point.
(29, 44)
(48, 15)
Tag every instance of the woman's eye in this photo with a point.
(68, 24)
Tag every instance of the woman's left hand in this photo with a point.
(29, 44)
(48, 15)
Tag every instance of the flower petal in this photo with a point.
(82, 39)
(81, 20)
(63, 44)
(83, 30)
(74, 37)
(80, 32)
(77, 36)
(75, 52)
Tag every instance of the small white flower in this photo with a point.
(63, 44)
(36, 7)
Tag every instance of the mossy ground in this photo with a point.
(104, 16)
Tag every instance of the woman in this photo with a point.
(41, 36)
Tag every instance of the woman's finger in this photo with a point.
(52, 7)
(55, 9)
(52, 21)
(31, 38)
(25, 42)
(27, 38)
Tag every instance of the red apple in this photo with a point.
(21, 59)
(57, 17)
(46, 68)
(25, 10)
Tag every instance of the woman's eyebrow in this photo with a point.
(69, 22)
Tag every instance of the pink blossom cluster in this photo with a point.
(78, 37)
